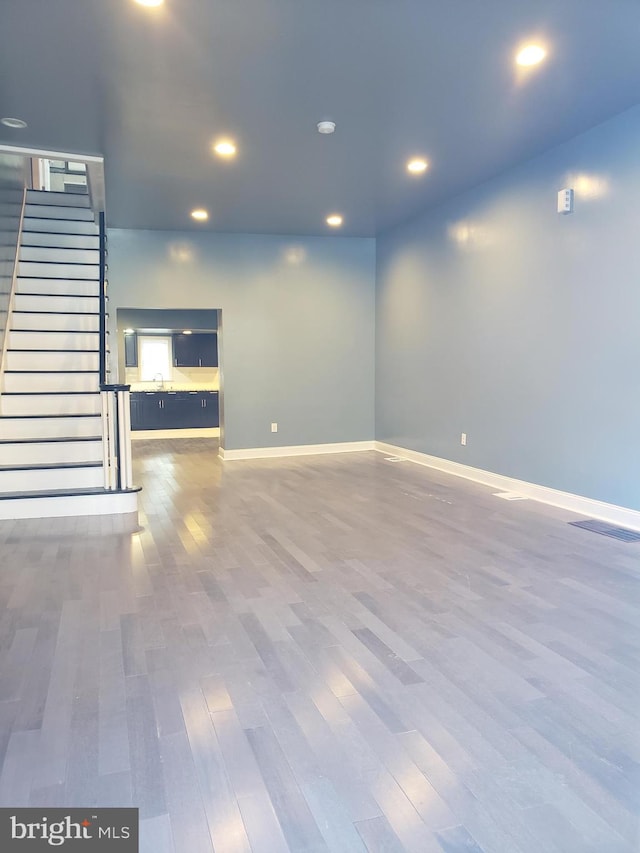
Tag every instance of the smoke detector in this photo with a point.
(326, 126)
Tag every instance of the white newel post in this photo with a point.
(116, 437)
(124, 424)
(109, 439)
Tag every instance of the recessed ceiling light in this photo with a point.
(225, 148)
(532, 54)
(326, 126)
(16, 123)
(200, 214)
(417, 166)
(150, 2)
(187, 332)
(335, 220)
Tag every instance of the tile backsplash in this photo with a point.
(183, 379)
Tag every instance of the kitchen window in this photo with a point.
(154, 353)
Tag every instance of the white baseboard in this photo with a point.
(619, 515)
(205, 432)
(295, 450)
(71, 505)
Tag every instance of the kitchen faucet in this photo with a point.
(159, 380)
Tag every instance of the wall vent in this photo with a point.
(610, 530)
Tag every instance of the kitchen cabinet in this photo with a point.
(209, 411)
(147, 410)
(131, 350)
(197, 350)
(174, 409)
(136, 411)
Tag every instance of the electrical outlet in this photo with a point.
(274, 427)
(463, 439)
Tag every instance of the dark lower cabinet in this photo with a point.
(174, 409)
(209, 412)
(136, 408)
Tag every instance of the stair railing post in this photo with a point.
(110, 437)
(103, 297)
(116, 420)
(124, 425)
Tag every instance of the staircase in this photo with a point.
(51, 412)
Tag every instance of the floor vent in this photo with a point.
(509, 496)
(605, 529)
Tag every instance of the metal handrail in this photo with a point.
(103, 297)
(12, 291)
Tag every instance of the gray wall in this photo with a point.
(297, 343)
(502, 319)
(11, 190)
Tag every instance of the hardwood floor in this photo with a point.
(331, 653)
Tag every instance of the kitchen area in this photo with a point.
(170, 358)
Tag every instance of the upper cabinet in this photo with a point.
(130, 350)
(197, 350)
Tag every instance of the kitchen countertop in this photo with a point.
(143, 387)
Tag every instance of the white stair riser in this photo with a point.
(59, 287)
(56, 321)
(52, 254)
(60, 241)
(44, 270)
(48, 211)
(50, 427)
(52, 361)
(51, 478)
(59, 304)
(54, 340)
(105, 503)
(57, 198)
(50, 453)
(50, 381)
(53, 404)
(56, 226)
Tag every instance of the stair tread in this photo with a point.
(48, 194)
(54, 440)
(65, 415)
(44, 393)
(52, 350)
(33, 206)
(60, 208)
(48, 293)
(27, 219)
(58, 249)
(50, 466)
(67, 295)
(52, 372)
(59, 234)
(63, 493)
(56, 277)
(55, 234)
